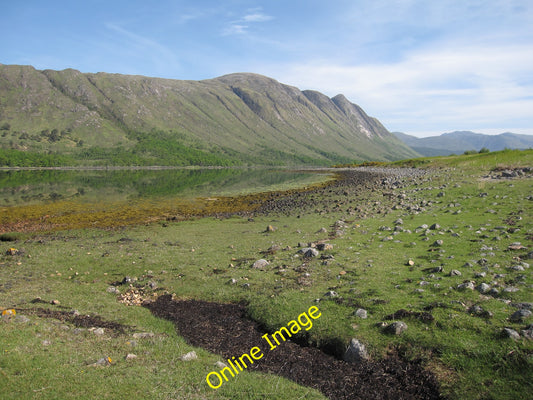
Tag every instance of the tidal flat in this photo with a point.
(445, 249)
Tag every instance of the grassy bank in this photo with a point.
(383, 259)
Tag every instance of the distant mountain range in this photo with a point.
(234, 119)
(460, 141)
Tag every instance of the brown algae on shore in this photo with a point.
(76, 214)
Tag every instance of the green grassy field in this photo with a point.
(378, 263)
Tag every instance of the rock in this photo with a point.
(270, 228)
(99, 331)
(410, 263)
(220, 365)
(324, 246)
(102, 362)
(309, 252)
(510, 333)
(516, 246)
(396, 328)
(399, 221)
(523, 305)
(12, 252)
(130, 356)
(143, 335)
(520, 315)
(455, 272)
(356, 352)
(55, 302)
(331, 293)
(361, 313)
(191, 355)
(46, 342)
(232, 281)
(438, 243)
(260, 264)
(466, 286)
(112, 289)
(434, 227)
(483, 288)
(478, 311)
(528, 332)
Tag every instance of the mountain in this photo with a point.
(460, 141)
(239, 118)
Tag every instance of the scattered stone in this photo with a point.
(55, 302)
(520, 315)
(220, 365)
(478, 311)
(523, 305)
(455, 272)
(12, 252)
(232, 281)
(309, 252)
(516, 246)
(46, 342)
(434, 227)
(361, 313)
(528, 332)
(102, 362)
(143, 335)
(324, 246)
(130, 356)
(99, 331)
(483, 288)
(510, 333)
(260, 264)
(438, 243)
(396, 328)
(331, 293)
(410, 262)
(466, 286)
(356, 352)
(113, 289)
(191, 355)
(270, 228)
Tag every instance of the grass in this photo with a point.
(197, 259)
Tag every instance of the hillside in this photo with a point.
(234, 119)
(460, 141)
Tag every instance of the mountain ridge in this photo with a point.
(242, 117)
(460, 141)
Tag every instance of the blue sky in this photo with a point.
(420, 67)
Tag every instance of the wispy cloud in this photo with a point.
(241, 25)
(487, 86)
(142, 46)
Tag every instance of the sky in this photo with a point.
(421, 67)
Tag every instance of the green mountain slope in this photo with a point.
(238, 118)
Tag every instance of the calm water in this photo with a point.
(20, 188)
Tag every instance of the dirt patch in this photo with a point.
(80, 321)
(224, 329)
(421, 316)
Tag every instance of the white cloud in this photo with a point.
(241, 26)
(257, 17)
(432, 89)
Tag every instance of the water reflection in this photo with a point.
(19, 188)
